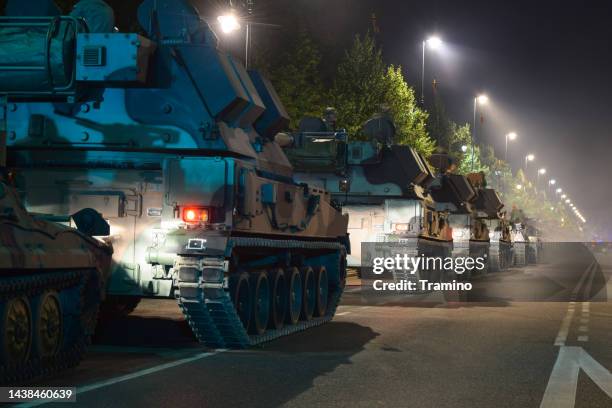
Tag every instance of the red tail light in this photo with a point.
(195, 215)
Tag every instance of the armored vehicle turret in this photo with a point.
(172, 140)
(52, 281)
(383, 187)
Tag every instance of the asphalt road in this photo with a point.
(491, 351)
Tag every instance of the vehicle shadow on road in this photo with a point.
(139, 331)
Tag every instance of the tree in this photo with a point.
(410, 121)
(359, 86)
(459, 136)
(471, 162)
(297, 80)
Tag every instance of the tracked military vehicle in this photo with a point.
(520, 236)
(52, 281)
(534, 246)
(490, 230)
(382, 186)
(454, 194)
(172, 140)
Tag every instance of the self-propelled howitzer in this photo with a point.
(172, 140)
(384, 187)
(520, 236)
(489, 225)
(454, 195)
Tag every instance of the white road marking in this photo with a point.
(583, 338)
(131, 376)
(343, 313)
(583, 328)
(564, 330)
(561, 389)
(584, 320)
(567, 320)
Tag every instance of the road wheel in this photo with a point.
(240, 292)
(48, 325)
(260, 287)
(322, 295)
(278, 303)
(295, 295)
(310, 293)
(16, 330)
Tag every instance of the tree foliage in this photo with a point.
(410, 121)
(297, 80)
(358, 91)
(471, 162)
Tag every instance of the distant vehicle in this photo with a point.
(386, 189)
(490, 225)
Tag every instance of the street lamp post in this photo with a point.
(509, 136)
(541, 172)
(528, 158)
(478, 100)
(433, 42)
(249, 34)
(551, 182)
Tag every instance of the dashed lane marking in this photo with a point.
(567, 320)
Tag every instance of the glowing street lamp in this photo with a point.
(519, 186)
(559, 190)
(464, 148)
(541, 172)
(482, 99)
(563, 196)
(530, 157)
(228, 23)
(434, 43)
(479, 100)
(509, 136)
